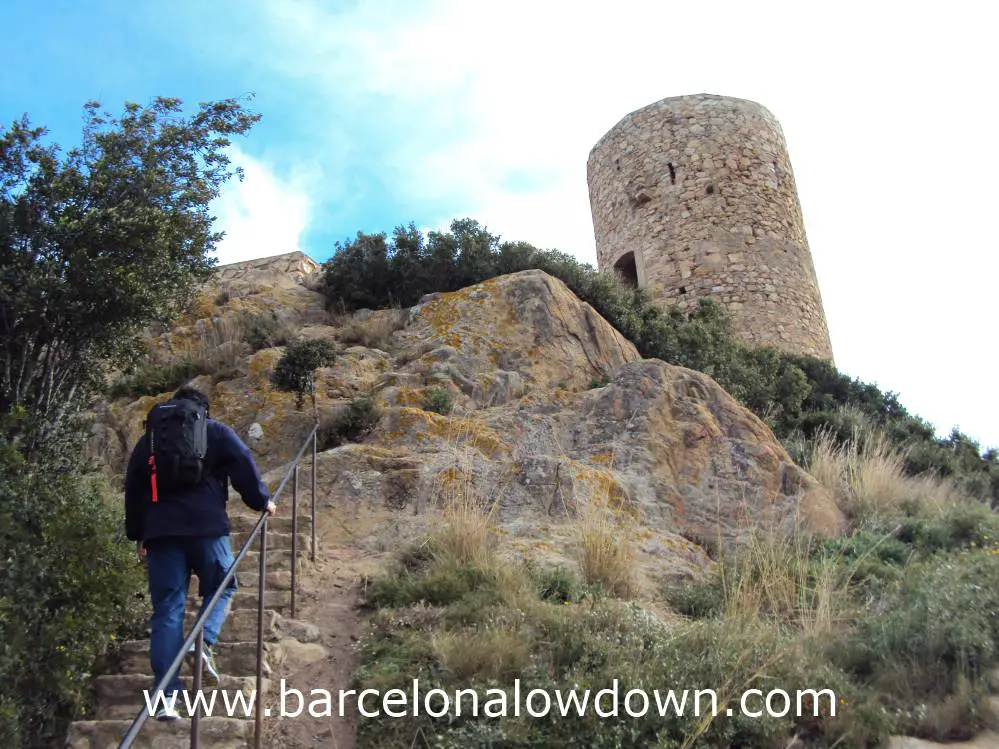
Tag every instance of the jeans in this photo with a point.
(169, 564)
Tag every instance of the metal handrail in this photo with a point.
(197, 633)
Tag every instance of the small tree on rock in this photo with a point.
(296, 369)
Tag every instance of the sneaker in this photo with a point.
(210, 673)
(165, 712)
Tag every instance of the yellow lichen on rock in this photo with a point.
(658, 449)
(443, 430)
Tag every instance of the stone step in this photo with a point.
(275, 540)
(246, 598)
(218, 733)
(232, 658)
(241, 625)
(247, 581)
(238, 509)
(277, 524)
(121, 696)
(276, 580)
(277, 559)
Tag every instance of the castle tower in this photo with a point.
(694, 196)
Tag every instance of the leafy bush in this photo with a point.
(295, 371)
(439, 400)
(438, 585)
(558, 585)
(128, 236)
(351, 424)
(153, 378)
(933, 639)
(698, 601)
(127, 233)
(69, 585)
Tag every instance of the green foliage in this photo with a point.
(599, 382)
(919, 630)
(558, 585)
(101, 241)
(436, 585)
(934, 635)
(69, 584)
(352, 423)
(295, 371)
(97, 244)
(798, 395)
(153, 378)
(698, 601)
(439, 400)
(440, 623)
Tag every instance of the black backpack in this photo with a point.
(178, 444)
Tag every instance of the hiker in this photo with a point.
(175, 509)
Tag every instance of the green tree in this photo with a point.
(99, 242)
(96, 243)
(295, 371)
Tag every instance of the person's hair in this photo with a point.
(192, 394)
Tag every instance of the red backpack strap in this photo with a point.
(152, 468)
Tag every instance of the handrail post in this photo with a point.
(294, 540)
(258, 733)
(199, 645)
(315, 438)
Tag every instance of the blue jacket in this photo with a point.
(200, 511)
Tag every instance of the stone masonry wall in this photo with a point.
(294, 264)
(700, 189)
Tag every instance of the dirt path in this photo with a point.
(327, 599)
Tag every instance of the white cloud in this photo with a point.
(262, 215)
(489, 110)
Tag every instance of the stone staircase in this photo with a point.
(119, 695)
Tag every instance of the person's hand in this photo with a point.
(271, 508)
(140, 549)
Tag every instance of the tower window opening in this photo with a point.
(672, 174)
(627, 270)
(711, 190)
(683, 289)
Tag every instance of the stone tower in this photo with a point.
(694, 196)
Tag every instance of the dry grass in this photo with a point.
(465, 534)
(497, 652)
(465, 502)
(267, 329)
(775, 577)
(607, 554)
(866, 476)
(373, 331)
(219, 349)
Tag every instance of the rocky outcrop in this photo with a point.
(510, 337)
(276, 271)
(553, 411)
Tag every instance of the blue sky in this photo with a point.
(378, 114)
